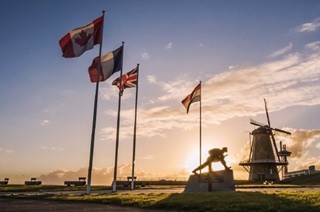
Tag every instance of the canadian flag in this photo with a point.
(81, 39)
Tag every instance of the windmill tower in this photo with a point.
(264, 160)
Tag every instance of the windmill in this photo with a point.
(265, 161)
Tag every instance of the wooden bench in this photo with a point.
(80, 182)
(4, 182)
(128, 182)
(33, 181)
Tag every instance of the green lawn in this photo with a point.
(217, 201)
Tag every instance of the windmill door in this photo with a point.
(261, 177)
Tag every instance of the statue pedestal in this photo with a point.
(209, 182)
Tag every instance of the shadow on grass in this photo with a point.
(241, 201)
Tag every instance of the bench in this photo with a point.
(4, 182)
(33, 181)
(80, 182)
(128, 182)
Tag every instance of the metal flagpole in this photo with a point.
(114, 188)
(135, 130)
(95, 114)
(200, 127)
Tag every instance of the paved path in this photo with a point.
(24, 205)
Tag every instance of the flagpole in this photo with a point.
(95, 114)
(114, 187)
(135, 130)
(200, 127)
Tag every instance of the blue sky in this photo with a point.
(242, 51)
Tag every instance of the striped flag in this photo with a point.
(110, 64)
(129, 80)
(81, 39)
(193, 97)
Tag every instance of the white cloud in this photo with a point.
(147, 157)
(201, 45)
(233, 93)
(45, 122)
(151, 79)
(313, 46)
(5, 150)
(299, 141)
(308, 27)
(101, 176)
(145, 56)
(318, 145)
(51, 148)
(169, 45)
(281, 51)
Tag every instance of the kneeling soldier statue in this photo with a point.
(216, 155)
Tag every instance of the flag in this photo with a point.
(129, 80)
(110, 64)
(193, 97)
(81, 39)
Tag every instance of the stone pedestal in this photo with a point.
(209, 182)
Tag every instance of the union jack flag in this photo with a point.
(129, 80)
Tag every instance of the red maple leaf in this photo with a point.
(83, 38)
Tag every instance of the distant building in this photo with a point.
(311, 170)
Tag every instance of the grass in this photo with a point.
(278, 200)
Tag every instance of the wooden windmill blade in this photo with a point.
(283, 131)
(272, 136)
(251, 145)
(275, 145)
(254, 122)
(265, 106)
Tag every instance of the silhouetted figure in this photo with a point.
(216, 155)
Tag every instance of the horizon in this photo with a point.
(242, 52)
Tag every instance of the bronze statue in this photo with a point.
(216, 155)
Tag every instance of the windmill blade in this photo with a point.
(254, 122)
(275, 146)
(279, 130)
(265, 106)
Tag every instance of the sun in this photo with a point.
(193, 160)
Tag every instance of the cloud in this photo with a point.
(174, 90)
(313, 46)
(169, 45)
(51, 148)
(201, 45)
(45, 122)
(300, 141)
(308, 27)
(281, 51)
(151, 79)
(100, 176)
(145, 56)
(110, 91)
(6, 150)
(147, 157)
(308, 161)
(233, 93)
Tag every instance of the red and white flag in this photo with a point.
(193, 97)
(81, 39)
(129, 80)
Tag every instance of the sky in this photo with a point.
(242, 52)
